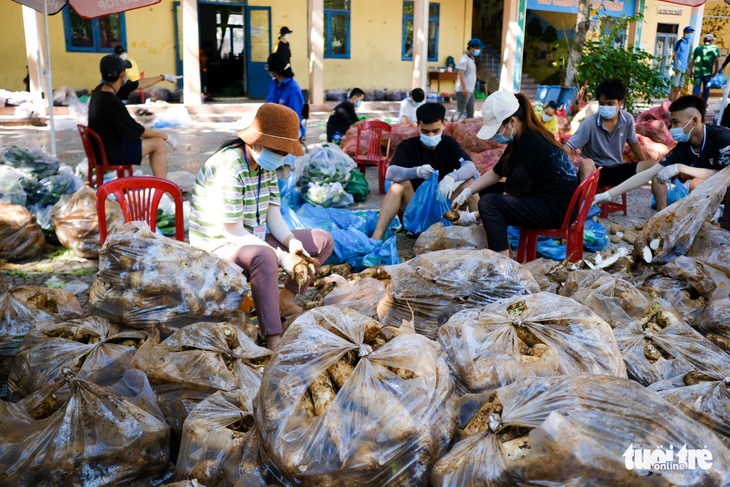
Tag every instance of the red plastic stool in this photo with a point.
(612, 206)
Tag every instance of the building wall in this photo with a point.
(665, 13)
(12, 47)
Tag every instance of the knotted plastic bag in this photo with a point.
(442, 237)
(220, 446)
(427, 207)
(536, 335)
(575, 430)
(348, 401)
(20, 235)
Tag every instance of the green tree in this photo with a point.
(533, 30)
(634, 66)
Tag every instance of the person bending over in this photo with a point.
(344, 115)
(417, 158)
(236, 199)
(540, 178)
(408, 107)
(701, 151)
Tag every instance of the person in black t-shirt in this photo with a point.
(125, 141)
(417, 158)
(540, 178)
(283, 49)
(701, 151)
(344, 114)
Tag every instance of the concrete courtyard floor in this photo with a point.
(196, 143)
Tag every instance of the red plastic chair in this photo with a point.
(572, 228)
(374, 154)
(100, 166)
(139, 198)
(612, 206)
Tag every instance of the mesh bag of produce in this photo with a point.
(83, 345)
(349, 401)
(220, 446)
(439, 237)
(676, 226)
(362, 295)
(660, 346)
(98, 436)
(536, 335)
(77, 223)
(714, 323)
(197, 361)
(576, 430)
(21, 309)
(613, 299)
(704, 397)
(20, 235)
(147, 280)
(430, 288)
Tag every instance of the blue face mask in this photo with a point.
(270, 161)
(688, 36)
(607, 111)
(501, 139)
(357, 103)
(546, 117)
(430, 141)
(679, 135)
(477, 52)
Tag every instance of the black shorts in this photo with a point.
(131, 153)
(615, 175)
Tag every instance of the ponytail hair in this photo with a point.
(530, 125)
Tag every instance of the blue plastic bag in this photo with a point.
(717, 81)
(675, 192)
(426, 207)
(289, 195)
(595, 238)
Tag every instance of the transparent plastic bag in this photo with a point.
(441, 237)
(714, 323)
(31, 161)
(327, 164)
(677, 225)
(660, 346)
(712, 246)
(427, 207)
(329, 195)
(540, 269)
(536, 335)
(710, 282)
(348, 401)
(574, 430)
(704, 397)
(432, 287)
(77, 222)
(361, 295)
(21, 309)
(83, 345)
(20, 235)
(220, 446)
(673, 294)
(196, 361)
(13, 184)
(99, 436)
(615, 300)
(149, 281)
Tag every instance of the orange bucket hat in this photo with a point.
(276, 127)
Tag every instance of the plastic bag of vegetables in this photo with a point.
(13, 185)
(328, 195)
(327, 164)
(30, 161)
(50, 189)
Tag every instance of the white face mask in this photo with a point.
(123, 56)
(287, 37)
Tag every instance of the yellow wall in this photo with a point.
(12, 47)
(722, 37)
(652, 17)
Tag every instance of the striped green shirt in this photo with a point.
(227, 190)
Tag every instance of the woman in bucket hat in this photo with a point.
(540, 178)
(236, 199)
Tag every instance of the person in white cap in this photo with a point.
(705, 64)
(540, 178)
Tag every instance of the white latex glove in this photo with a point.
(171, 78)
(467, 218)
(172, 142)
(668, 173)
(297, 246)
(601, 198)
(447, 186)
(425, 171)
(297, 266)
(463, 196)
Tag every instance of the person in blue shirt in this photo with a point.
(283, 89)
(680, 56)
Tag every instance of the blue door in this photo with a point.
(258, 48)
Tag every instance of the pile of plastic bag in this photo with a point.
(322, 176)
(348, 400)
(20, 235)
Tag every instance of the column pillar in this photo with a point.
(315, 11)
(420, 44)
(33, 53)
(513, 35)
(192, 93)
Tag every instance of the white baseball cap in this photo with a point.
(497, 108)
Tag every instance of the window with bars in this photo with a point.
(93, 35)
(433, 31)
(337, 29)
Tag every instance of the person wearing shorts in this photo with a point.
(602, 137)
(680, 58)
(125, 141)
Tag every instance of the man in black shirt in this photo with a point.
(417, 158)
(701, 151)
(344, 115)
(125, 141)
